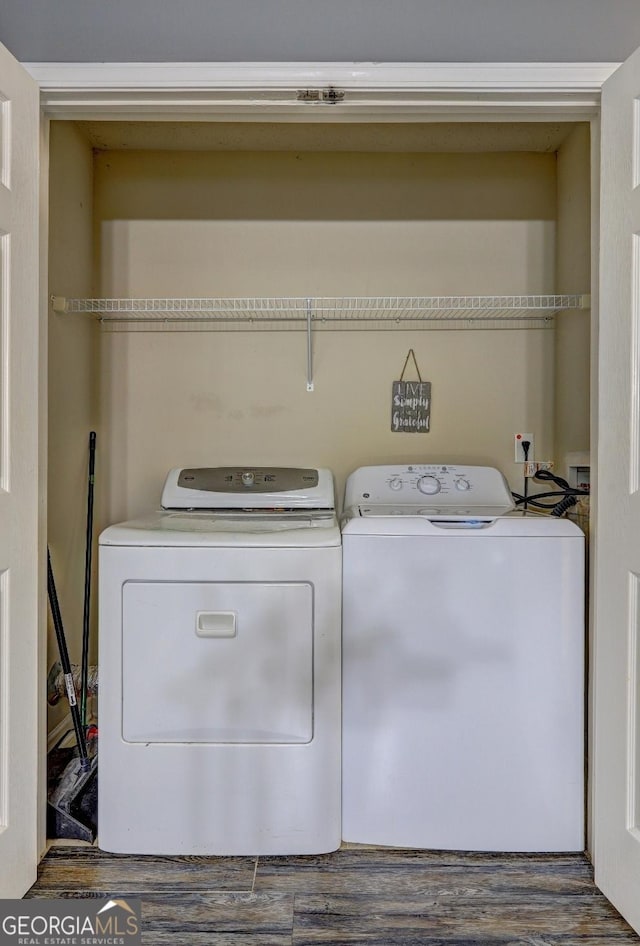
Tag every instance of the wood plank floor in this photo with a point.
(372, 896)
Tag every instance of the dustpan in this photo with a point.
(72, 802)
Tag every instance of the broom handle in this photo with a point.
(66, 665)
(84, 672)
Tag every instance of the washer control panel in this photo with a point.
(429, 484)
(422, 485)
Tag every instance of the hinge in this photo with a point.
(308, 95)
(330, 95)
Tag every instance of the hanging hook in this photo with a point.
(309, 347)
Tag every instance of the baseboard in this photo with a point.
(58, 731)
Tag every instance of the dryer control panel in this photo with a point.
(229, 479)
(248, 487)
(429, 484)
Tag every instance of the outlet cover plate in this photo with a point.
(518, 439)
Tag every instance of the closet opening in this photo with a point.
(289, 211)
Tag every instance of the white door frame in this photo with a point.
(380, 92)
(21, 487)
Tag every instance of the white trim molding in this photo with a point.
(372, 91)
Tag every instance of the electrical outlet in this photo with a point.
(519, 452)
(531, 467)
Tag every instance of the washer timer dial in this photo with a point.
(429, 485)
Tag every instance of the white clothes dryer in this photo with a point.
(219, 661)
(463, 665)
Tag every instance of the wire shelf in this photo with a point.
(350, 312)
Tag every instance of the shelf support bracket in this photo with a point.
(309, 346)
(58, 304)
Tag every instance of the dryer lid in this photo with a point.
(208, 529)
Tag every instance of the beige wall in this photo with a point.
(573, 329)
(239, 224)
(73, 390)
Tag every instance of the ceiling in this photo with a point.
(381, 137)
(320, 30)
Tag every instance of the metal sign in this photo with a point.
(411, 407)
(411, 403)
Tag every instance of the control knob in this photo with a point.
(429, 485)
(463, 484)
(248, 479)
(396, 483)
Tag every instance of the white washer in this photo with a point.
(220, 668)
(463, 665)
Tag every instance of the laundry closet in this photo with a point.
(282, 217)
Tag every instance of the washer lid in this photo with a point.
(433, 512)
(168, 529)
(512, 525)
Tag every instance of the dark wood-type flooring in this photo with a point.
(377, 897)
